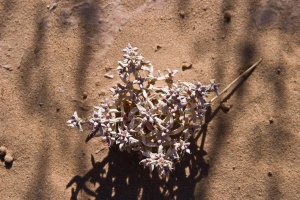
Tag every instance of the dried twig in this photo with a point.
(243, 75)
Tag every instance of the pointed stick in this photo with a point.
(241, 76)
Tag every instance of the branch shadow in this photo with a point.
(35, 87)
(88, 14)
(35, 94)
(285, 17)
(8, 7)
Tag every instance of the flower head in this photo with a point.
(75, 121)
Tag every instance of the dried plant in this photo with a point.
(142, 117)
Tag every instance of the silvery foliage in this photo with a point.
(155, 121)
(75, 121)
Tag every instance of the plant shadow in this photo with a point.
(126, 179)
(118, 175)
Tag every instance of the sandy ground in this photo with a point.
(48, 58)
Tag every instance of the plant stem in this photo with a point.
(239, 77)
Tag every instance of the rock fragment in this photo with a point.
(270, 174)
(158, 47)
(8, 68)
(84, 95)
(182, 14)
(226, 106)
(8, 159)
(186, 65)
(3, 150)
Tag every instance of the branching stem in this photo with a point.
(243, 75)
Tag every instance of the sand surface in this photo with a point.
(50, 56)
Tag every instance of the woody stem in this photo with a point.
(243, 75)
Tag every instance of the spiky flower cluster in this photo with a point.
(155, 121)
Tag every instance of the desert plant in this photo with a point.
(156, 121)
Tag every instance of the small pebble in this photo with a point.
(52, 7)
(271, 121)
(186, 66)
(182, 14)
(227, 17)
(8, 159)
(6, 67)
(102, 93)
(3, 150)
(158, 47)
(233, 167)
(84, 95)
(259, 194)
(270, 174)
(278, 71)
(225, 106)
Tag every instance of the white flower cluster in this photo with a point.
(156, 121)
